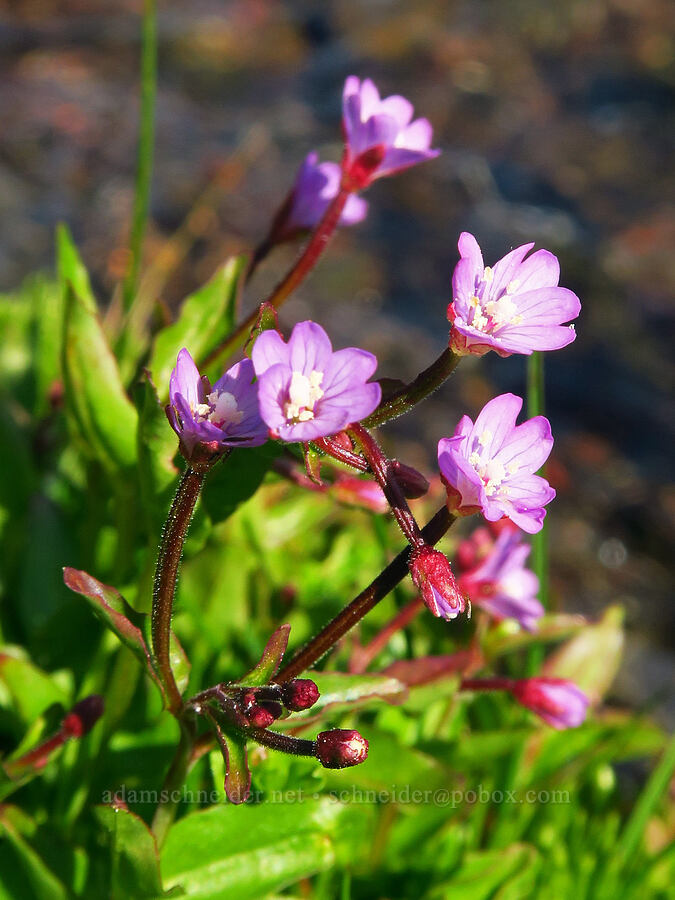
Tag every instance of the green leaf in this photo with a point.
(40, 881)
(104, 417)
(135, 860)
(248, 851)
(113, 610)
(156, 448)
(237, 780)
(592, 658)
(180, 664)
(71, 269)
(206, 317)
(270, 660)
(483, 872)
(31, 690)
(47, 303)
(508, 636)
(236, 479)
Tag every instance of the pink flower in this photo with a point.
(489, 466)
(225, 415)
(315, 186)
(305, 390)
(380, 136)
(555, 700)
(514, 307)
(501, 585)
(432, 575)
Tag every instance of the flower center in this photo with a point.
(303, 393)
(220, 409)
(487, 313)
(491, 471)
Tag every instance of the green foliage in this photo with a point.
(462, 796)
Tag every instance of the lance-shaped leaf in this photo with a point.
(237, 774)
(135, 859)
(104, 417)
(270, 660)
(113, 610)
(206, 317)
(31, 875)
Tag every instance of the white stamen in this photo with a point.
(303, 393)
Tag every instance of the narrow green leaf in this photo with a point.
(339, 690)
(105, 418)
(271, 658)
(113, 610)
(40, 880)
(206, 317)
(71, 269)
(135, 860)
(47, 303)
(655, 789)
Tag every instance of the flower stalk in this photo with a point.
(377, 590)
(166, 575)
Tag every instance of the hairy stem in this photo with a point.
(293, 278)
(385, 582)
(166, 575)
(425, 384)
(382, 470)
(175, 778)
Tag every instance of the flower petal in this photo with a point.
(269, 350)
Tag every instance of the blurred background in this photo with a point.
(556, 125)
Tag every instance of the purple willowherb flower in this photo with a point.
(514, 307)
(432, 575)
(555, 700)
(489, 466)
(315, 186)
(380, 136)
(225, 415)
(501, 585)
(305, 390)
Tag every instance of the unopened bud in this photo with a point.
(413, 483)
(341, 748)
(260, 716)
(555, 700)
(82, 717)
(432, 575)
(299, 694)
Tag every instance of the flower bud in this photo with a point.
(340, 748)
(432, 575)
(413, 484)
(261, 716)
(555, 700)
(82, 717)
(299, 694)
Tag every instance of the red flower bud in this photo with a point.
(299, 694)
(431, 573)
(82, 717)
(340, 748)
(413, 483)
(555, 700)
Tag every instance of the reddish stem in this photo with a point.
(385, 582)
(382, 469)
(341, 454)
(293, 278)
